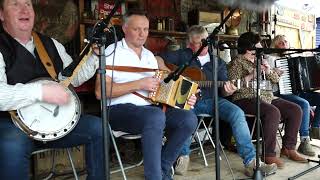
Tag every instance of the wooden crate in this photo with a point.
(42, 162)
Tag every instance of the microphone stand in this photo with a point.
(308, 170)
(99, 37)
(210, 42)
(259, 52)
(257, 172)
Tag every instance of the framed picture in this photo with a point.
(207, 19)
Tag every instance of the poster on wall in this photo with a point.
(295, 19)
(299, 27)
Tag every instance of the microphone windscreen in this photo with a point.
(256, 5)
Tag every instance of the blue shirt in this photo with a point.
(182, 56)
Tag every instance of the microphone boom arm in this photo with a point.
(175, 74)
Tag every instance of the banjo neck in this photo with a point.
(66, 82)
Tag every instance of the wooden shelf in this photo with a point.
(161, 34)
(88, 21)
(226, 37)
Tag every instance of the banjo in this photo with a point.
(47, 122)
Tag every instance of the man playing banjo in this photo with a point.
(20, 63)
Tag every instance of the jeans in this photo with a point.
(304, 105)
(150, 122)
(234, 116)
(304, 100)
(314, 100)
(16, 148)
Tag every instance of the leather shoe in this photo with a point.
(274, 159)
(293, 155)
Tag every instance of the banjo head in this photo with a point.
(50, 120)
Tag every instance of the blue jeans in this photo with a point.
(16, 148)
(304, 105)
(233, 115)
(304, 100)
(314, 100)
(150, 122)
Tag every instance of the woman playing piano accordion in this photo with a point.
(273, 109)
(303, 99)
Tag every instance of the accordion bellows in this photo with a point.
(175, 93)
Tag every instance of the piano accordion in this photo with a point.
(174, 93)
(301, 74)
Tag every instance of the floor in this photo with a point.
(198, 171)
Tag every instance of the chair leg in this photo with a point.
(72, 165)
(207, 133)
(118, 155)
(202, 151)
(52, 166)
(227, 160)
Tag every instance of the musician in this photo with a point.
(132, 113)
(228, 111)
(303, 99)
(272, 109)
(19, 64)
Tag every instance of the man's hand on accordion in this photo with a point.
(192, 100)
(149, 84)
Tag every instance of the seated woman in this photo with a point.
(272, 108)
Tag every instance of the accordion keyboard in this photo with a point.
(285, 81)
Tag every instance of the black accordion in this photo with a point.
(301, 74)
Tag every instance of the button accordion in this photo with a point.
(174, 93)
(301, 74)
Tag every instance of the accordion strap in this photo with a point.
(143, 97)
(136, 69)
(164, 106)
(130, 69)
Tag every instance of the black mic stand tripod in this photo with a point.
(99, 37)
(257, 175)
(308, 170)
(259, 53)
(210, 42)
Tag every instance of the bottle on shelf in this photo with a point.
(96, 12)
(170, 24)
(164, 24)
(159, 24)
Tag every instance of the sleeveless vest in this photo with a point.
(21, 65)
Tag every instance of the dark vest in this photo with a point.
(21, 65)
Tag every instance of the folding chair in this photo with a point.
(128, 136)
(196, 137)
(280, 128)
(52, 171)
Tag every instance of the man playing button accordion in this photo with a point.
(129, 109)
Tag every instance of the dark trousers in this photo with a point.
(150, 122)
(16, 148)
(271, 114)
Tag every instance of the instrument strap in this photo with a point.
(164, 106)
(136, 69)
(44, 57)
(130, 69)
(46, 61)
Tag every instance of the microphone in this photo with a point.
(103, 24)
(249, 4)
